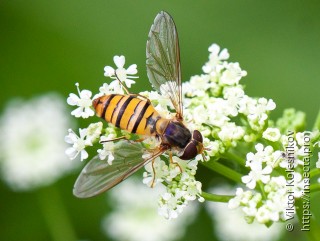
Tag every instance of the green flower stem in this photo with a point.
(223, 170)
(215, 197)
(314, 232)
(314, 172)
(55, 215)
(315, 188)
(232, 156)
(317, 122)
(261, 187)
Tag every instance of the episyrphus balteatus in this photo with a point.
(135, 114)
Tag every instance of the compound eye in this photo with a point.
(197, 136)
(190, 151)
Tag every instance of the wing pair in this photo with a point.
(163, 69)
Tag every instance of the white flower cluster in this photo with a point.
(31, 151)
(268, 204)
(95, 132)
(229, 224)
(181, 186)
(215, 100)
(87, 137)
(216, 105)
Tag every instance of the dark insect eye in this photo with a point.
(197, 136)
(189, 152)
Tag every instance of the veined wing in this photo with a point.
(163, 60)
(98, 176)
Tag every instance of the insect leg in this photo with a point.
(142, 97)
(124, 137)
(140, 139)
(154, 173)
(203, 156)
(179, 117)
(124, 87)
(172, 162)
(162, 149)
(126, 90)
(115, 139)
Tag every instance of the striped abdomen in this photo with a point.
(130, 113)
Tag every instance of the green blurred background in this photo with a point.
(48, 46)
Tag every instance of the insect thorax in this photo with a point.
(176, 134)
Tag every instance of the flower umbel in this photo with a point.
(236, 129)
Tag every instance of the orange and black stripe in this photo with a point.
(128, 113)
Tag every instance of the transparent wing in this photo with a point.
(98, 176)
(163, 59)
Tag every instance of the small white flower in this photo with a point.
(113, 88)
(198, 85)
(241, 198)
(200, 114)
(263, 155)
(169, 205)
(257, 173)
(218, 112)
(83, 101)
(263, 214)
(152, 142)
(271, 134)
(193, 188)
(107, 151)
(276, 184)
(230, 132)
(232, 74)
(94, 132)
(215, 58)
(256, 111)
(213, 147)
(161, 103)
(233, 95)
(251, 209)
(78, 144)
(236, 201)
(124, 75)
(214, 49)
(259, 111)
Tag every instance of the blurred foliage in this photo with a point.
(47, 46)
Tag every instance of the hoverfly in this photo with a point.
(134, 113)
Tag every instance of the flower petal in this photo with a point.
(108, 71)
(77, 112)
(119, 61)
(85, 94)
(73, 99)
(132, 69)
